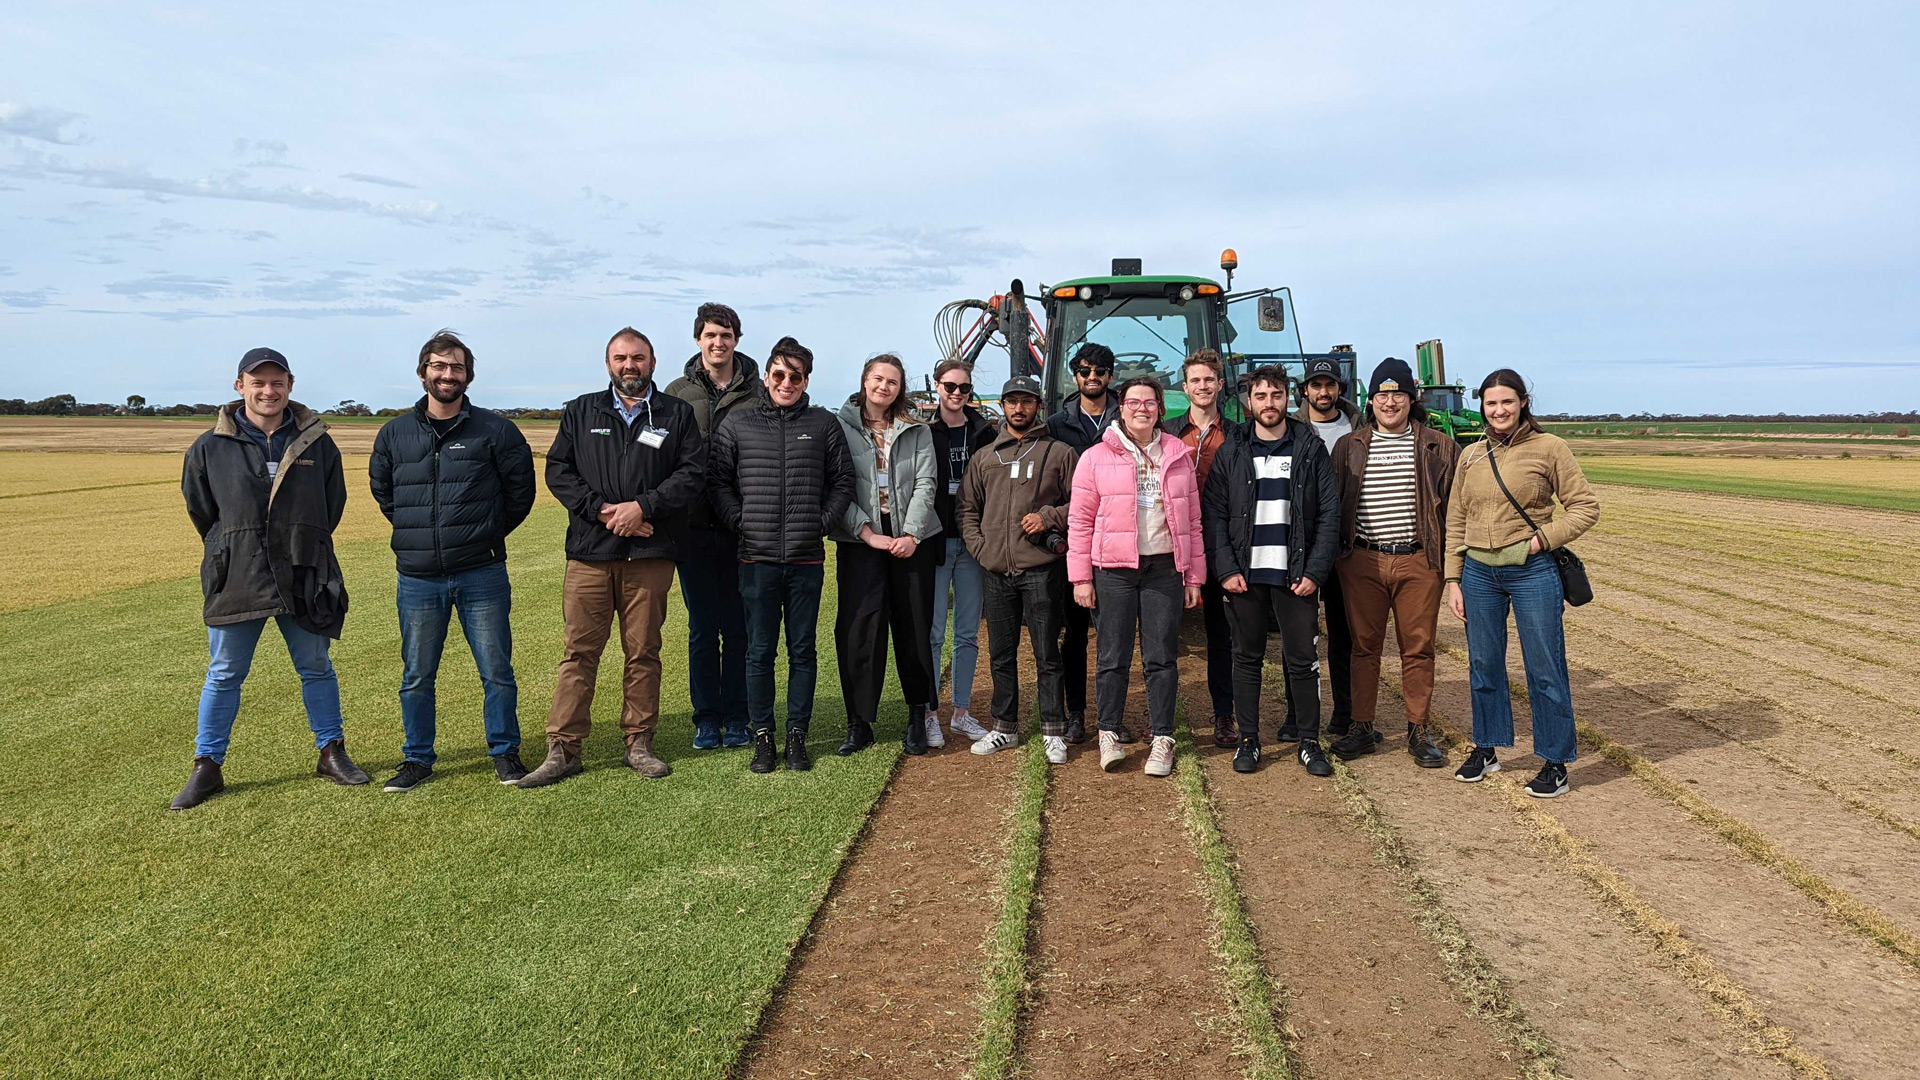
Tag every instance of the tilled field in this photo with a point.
(1728, 890)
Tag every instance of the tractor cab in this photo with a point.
(1153, 322)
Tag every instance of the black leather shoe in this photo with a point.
(1125, 734)
(1247, 758)
(336, 766)
(859, 737)
(1358, 742)
(1426, 753)
(1226, 732)
(797, 759)
(1077, 728)
(1339, 726)
(916, 737)
(762, 752)
(1314, 759)
(203, 783)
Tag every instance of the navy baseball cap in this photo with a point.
(257, 357)
(1322, 366)
(1020, 384)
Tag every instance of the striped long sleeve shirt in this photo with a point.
(1388, 501)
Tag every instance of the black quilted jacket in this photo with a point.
(780, 478)
(452, 499)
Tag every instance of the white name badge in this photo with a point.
(880, 478)
(953, 487)
(653, 437)
(273, 469)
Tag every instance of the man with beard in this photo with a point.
(1270, 514)
(1325, 410)
(716, 381)
(1012, 514)
(454, 479)
(1080, 424)
(1204, 431)
(627, 463)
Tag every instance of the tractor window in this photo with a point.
(1149, 335)
(1246, 346)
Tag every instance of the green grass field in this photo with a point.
(1881, 483)
(605, 927)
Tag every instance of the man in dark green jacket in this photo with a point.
(265, 489)
(716, 381)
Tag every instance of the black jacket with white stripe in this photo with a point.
(1227, 506)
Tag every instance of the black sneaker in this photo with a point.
(797, 759)
(1247, 758)
(1314, 759)
(1339, 726)
(411, 775)
(1289, 732)
(1480, 764)
(762, 752)
(1551, 783)
(1077, 728)
(1125, 734)
(508, 767)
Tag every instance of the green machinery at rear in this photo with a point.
(1446, 402)
(1151, 322)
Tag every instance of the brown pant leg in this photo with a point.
(1416, 611)
(1364, 589)
(586, 607)
(644, 584)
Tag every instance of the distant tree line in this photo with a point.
(136, 405)
(1738, 418)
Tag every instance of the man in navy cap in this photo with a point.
(1324, 407)
(265, 490)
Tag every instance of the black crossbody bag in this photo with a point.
(1573, 572)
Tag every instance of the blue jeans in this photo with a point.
(485, 601)
(776, 593)
(716, 626)
(230, 650)
(1532, 591)
(959, 574)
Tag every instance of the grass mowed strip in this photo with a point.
(1873, 483)
(608, 926)
(1006, 986)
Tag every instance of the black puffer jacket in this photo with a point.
(711, 407)
(454, 498)
(781, 478)
(1226, 507)
(597, 459)
(269, 539)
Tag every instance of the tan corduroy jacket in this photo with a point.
(1538, 468)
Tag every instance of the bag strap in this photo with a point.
(1503, 490)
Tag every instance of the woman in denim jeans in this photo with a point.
(1495, 562)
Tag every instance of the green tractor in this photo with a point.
(1446, 402)
(1151, 322)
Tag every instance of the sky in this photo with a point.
(1696, 207)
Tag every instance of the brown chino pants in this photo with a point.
(593, 594)
(1404, 586)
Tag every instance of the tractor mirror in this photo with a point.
(1273, 314)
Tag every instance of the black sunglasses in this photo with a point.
(957, 387)
(1083, 370)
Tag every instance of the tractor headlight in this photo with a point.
(1086, 292)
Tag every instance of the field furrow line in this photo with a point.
(1806, 611)
(1848, 910)
(1846, 524)
(1732, 536)
(1858, 604)
(1005, 986)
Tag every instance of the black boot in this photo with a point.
(859, 737)
(762, 752)
(797, 759)
(1126, 734)
(203, 783)
(916, 738)
(1077, 727)
(336, 766)
(1357, 742)
(1426, 753)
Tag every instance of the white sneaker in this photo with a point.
(934, 738)
(1056, 749)
(1112, 753)
(963, 723)
(996, 741)
(1160, 758)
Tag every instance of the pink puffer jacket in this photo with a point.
(1103, 526)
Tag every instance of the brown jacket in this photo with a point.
(993, 499)
(1434, 458)
(1538, 468)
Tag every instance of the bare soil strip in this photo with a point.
(1125, 982)
(888, 982)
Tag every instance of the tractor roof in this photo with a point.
(1138, 279)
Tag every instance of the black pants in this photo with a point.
(1339, 651)
(1075, 626)
(1037, 598)
(1297, 616)
(1213, 608)
(879, 592)
(1150, 597)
